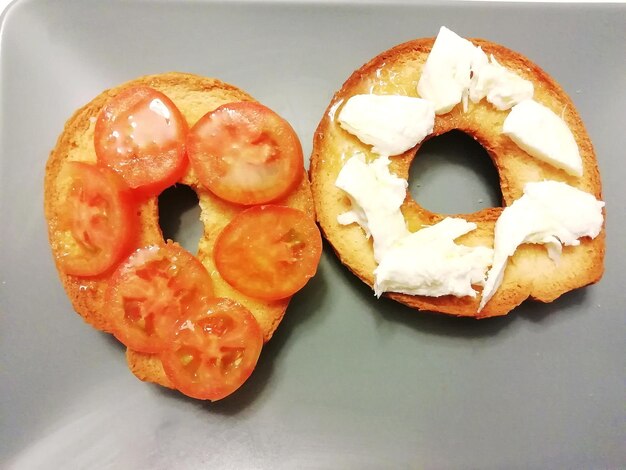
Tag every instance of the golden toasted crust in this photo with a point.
(530, 273)
(194, 96)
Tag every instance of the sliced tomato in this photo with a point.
(268, 252)
(151, 290)
(245, 153)
(140, 133)
(96, 219)
(215, 350)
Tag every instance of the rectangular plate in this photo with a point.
(347, 381)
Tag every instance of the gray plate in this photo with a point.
(347, 381)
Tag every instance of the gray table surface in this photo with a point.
(347, 381)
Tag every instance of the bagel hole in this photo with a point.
(453, 174)
(179, 216)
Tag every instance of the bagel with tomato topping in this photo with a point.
(195, 322)
(481, 264)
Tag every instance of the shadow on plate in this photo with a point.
(112, 340)
(538, 312)
(303, 308)
(446, 325)
(454, 160)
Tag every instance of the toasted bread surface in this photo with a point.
(529, 273)
(194, 96)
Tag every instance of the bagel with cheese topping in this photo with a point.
(369, 135)
(113, 158)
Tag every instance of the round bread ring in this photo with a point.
(194, 96)
(529, 273)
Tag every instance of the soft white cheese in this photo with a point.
(445, 76)
(550, 213)
(426, 262)
(456, 69)
(392, 124)
(429, 262)
(538, 131)
(376, 196)
(502, 88)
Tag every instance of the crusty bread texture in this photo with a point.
(194, 96)
(530, 273)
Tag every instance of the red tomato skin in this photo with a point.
(238, 253)
(91, 182)
(157, 285)
(128, 145)
(208, 338)
(245, 153)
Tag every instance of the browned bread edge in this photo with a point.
(580, 266)
(194, 95)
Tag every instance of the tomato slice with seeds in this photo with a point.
(140, 133)
(96, 219)
(268, 252)
(215, 350)
(245, 153)
(151, 290)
